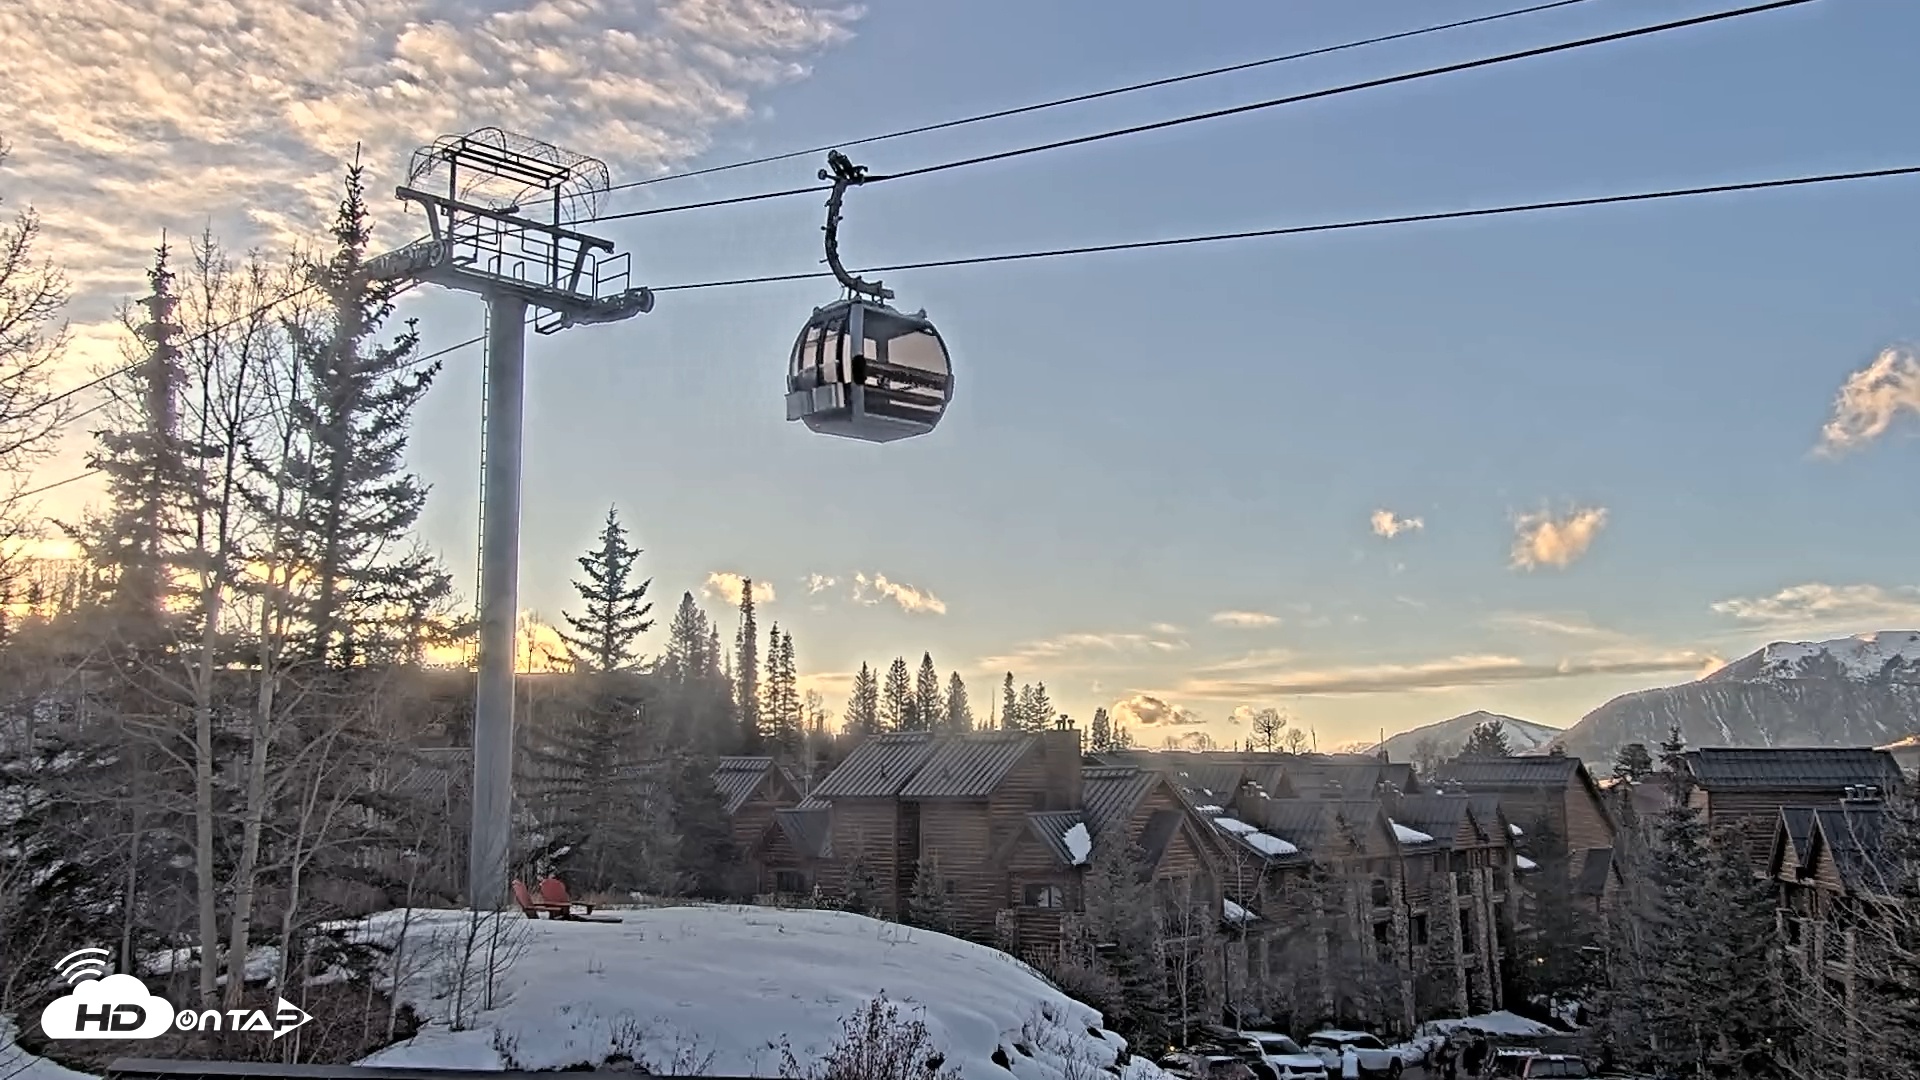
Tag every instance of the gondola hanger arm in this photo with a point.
(844, 174)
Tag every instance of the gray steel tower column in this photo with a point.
(499, 605)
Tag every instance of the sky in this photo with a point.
(1374, 478)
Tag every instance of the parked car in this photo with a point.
(1287, 1057)
(1516, 1063)
(1208, 1064)
(1376, 1057)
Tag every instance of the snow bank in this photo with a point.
(718, 990)
(1505, 1023)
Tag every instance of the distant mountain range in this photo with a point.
(1448, 736)
(1856, 691)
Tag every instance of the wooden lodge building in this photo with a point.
(1747, 789)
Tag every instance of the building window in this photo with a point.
(1382, 933)
(1044, 896)
(1417, 930)
(1466, 929)
(949, 886)
(1382, 894)
(789, 881)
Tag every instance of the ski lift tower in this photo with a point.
(497, 224)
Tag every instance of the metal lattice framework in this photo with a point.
(504, 170)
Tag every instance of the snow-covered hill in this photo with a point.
(1856, 691)
(720, 991)
(1448, 736)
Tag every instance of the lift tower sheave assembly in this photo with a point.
(497, 224)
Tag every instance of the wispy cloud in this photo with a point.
(1818, 607)
(1558, 624)
(1244, 620)
(1387, 524)
(1147, 710)
(872, 590)
(1870, 401)
(1445, 673)
(133, 115)
(1548, 539)
(818, 583)
(731, 587)
(1082, 650)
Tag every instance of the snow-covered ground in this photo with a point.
(724, 989)
(17, 1064)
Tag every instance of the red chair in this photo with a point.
(554, 899)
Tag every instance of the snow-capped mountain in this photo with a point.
(1448, 736)
(1857, 691)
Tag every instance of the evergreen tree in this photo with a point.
(746, 672)
(352, 492)
(930, 905)
(861, 892)
(1009, 706)
(959, 715)
(929, 711)
(1040, 714)
(1121, 922)
(605, 635)
(599, 792)
(1025, 711)
(687, 643)
(1100, 733)
(863, 705)
(896, 698)
(1551, 949)
(705, 858)
(782, 693)
(1488, 739)
(1633, 762)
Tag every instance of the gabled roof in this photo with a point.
(1050, 827)
(1595, 868)
(807, 830)
(967, 766)
(1111, 793)
(1489, 774)
(1490, 818)
(1792, 841)
(878, 767)
(1312, 824)
(738, 778)
(1439, 816)
(1853, 836)
(1207, 783)
(1792, 768)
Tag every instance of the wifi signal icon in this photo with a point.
(82, 964)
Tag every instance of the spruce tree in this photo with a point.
(604, 636)
(959, 716)
(1551, 950)
(353, 493)
(896, 698)
(782, 704)
(1009, 706)
(746, 673)
(929, 711)
(1040, 712)
(1025, 715)
(1121, 913)
(1100, 733)
(863, 705)
(1633, 762)
(861, 891)
(929, 905)
(686, 653)
(1488, 739)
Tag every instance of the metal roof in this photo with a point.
(1050, 828)
(1855, 838)
(1792, 768)
(1508, 773)
(967, 766)
(1594, 870)
(1798, 823)
(738, 778)
(1439, 816)
(1111, 794)
(878, 767)
(808, 831)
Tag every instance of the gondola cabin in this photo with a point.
(862, 370)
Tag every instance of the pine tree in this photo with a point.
(1551, 951)
(1120, 918)
(863, 704)
(746, 672)
(353, 493)
(1488, 739)
(704, 857)
(782, 693)
(1009, 706)
(1038, 711)
(930, 905)
(1633, 762)
(600, 794)
(1100, 733)
(605, 635)
(959, 717)
(1025, 711)
(896, 698)
(929, 711)
(686, 654)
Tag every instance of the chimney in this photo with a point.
(1060, 750)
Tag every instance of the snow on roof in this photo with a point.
(1516, 830)
(1234, 913)
(666, 984)
(1525, 863)
(1079, 843)
(1410, 836)
(1265, 844)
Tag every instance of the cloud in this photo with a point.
(129, 116)
(1543, 539)
(829, 683)
(1447, 673)
(1814, 606)
(1244, 620)
(1166, 628)
(153, 1014)
(818, 583)
(1146, 710)
(872, 590)
(731, 587)
(1573, 625)
(1870, 401)
(1386, 525)
(1081, 650)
